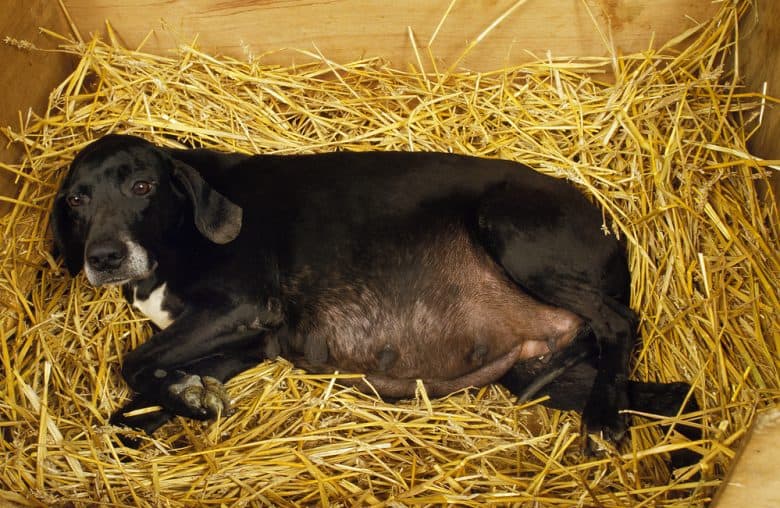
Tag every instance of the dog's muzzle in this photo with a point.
(116, 261)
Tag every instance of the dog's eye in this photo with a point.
(141, 188)
(75, 200)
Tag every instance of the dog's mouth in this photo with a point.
(114, 282)
(137, 265)
(118, 277)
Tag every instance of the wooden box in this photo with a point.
(345, 30)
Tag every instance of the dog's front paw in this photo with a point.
(199, 397)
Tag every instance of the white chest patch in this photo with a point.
(152, 307)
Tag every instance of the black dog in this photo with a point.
(455, 270)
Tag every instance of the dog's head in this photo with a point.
(122, 199)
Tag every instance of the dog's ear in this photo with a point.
(216, 217)
(68, 242)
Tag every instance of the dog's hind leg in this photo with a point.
(569, 377)
(549, 241)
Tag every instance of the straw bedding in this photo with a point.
(659, 145)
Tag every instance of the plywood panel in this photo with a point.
(754, 481)
(345, 30)
(759, 64)
(27, 77)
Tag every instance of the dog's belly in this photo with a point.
(449, 318)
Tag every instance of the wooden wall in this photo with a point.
(753, 481)
(26, 77)
(759, 59)
(346, 30)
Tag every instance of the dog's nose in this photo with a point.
(106, 255)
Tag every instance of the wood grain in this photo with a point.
(753, 481)
(759, 64)
(346, 30)
(27, 77)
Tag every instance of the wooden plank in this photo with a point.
(754, 481)
(759, 64)
(27, 77)
(346, 30)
